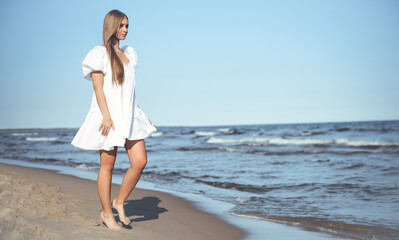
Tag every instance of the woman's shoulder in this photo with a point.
(99, 49)
(130, 51)
(95, 60)
(97, 52)
(127, 48)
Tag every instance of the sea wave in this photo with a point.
(166, 175)
(186, 149)
(205, 133)
(229, 149)
(333, 188)
(241, 200)
(262, 188)
(228, 131)
(299, 141)
(42, 139)
(307, 133)
(84, 166)
(268, 152)
(351, 142)
(224, 130)
(156, 134)
(236, 186)
(307, 141)
(304, 133)
(23, 134)
(231, 140)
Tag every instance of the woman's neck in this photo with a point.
(116, 45)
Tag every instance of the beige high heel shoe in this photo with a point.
(124, 220)
(108, 222)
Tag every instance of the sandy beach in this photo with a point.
(42, 204)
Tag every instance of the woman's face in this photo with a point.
(122, 30)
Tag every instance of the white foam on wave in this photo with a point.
(244, 216)
(23, 134)
(156, 134)
(232, 149)
(41, 138)
(306, 133)
(351, 142)
(241, 200)
(205, 133)
(231, 140)
(299, 141)
(224, 130)
(306, 141)
(85, 167)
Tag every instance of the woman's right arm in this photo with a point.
(107, 123)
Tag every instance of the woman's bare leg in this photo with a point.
(107, 161)
(138, 159)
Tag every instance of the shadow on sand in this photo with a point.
(147, 208)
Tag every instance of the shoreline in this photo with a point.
(206, 216)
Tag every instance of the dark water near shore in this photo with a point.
(337, 177)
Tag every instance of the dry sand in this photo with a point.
(42, 204)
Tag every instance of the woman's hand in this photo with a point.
(106, 125)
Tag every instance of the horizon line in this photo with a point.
(218, 125)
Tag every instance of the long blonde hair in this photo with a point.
(111, 25)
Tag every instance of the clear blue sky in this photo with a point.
(207, 62)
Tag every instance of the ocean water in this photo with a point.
(341, 178)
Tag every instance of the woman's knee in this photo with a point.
(107, 166)
(140, 163)
(107, 160)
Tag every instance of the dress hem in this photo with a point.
(90, 148)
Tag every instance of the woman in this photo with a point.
(114, 119)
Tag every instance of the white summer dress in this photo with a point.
(130, 122)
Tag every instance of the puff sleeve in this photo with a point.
(94, 61)
(131, 53)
